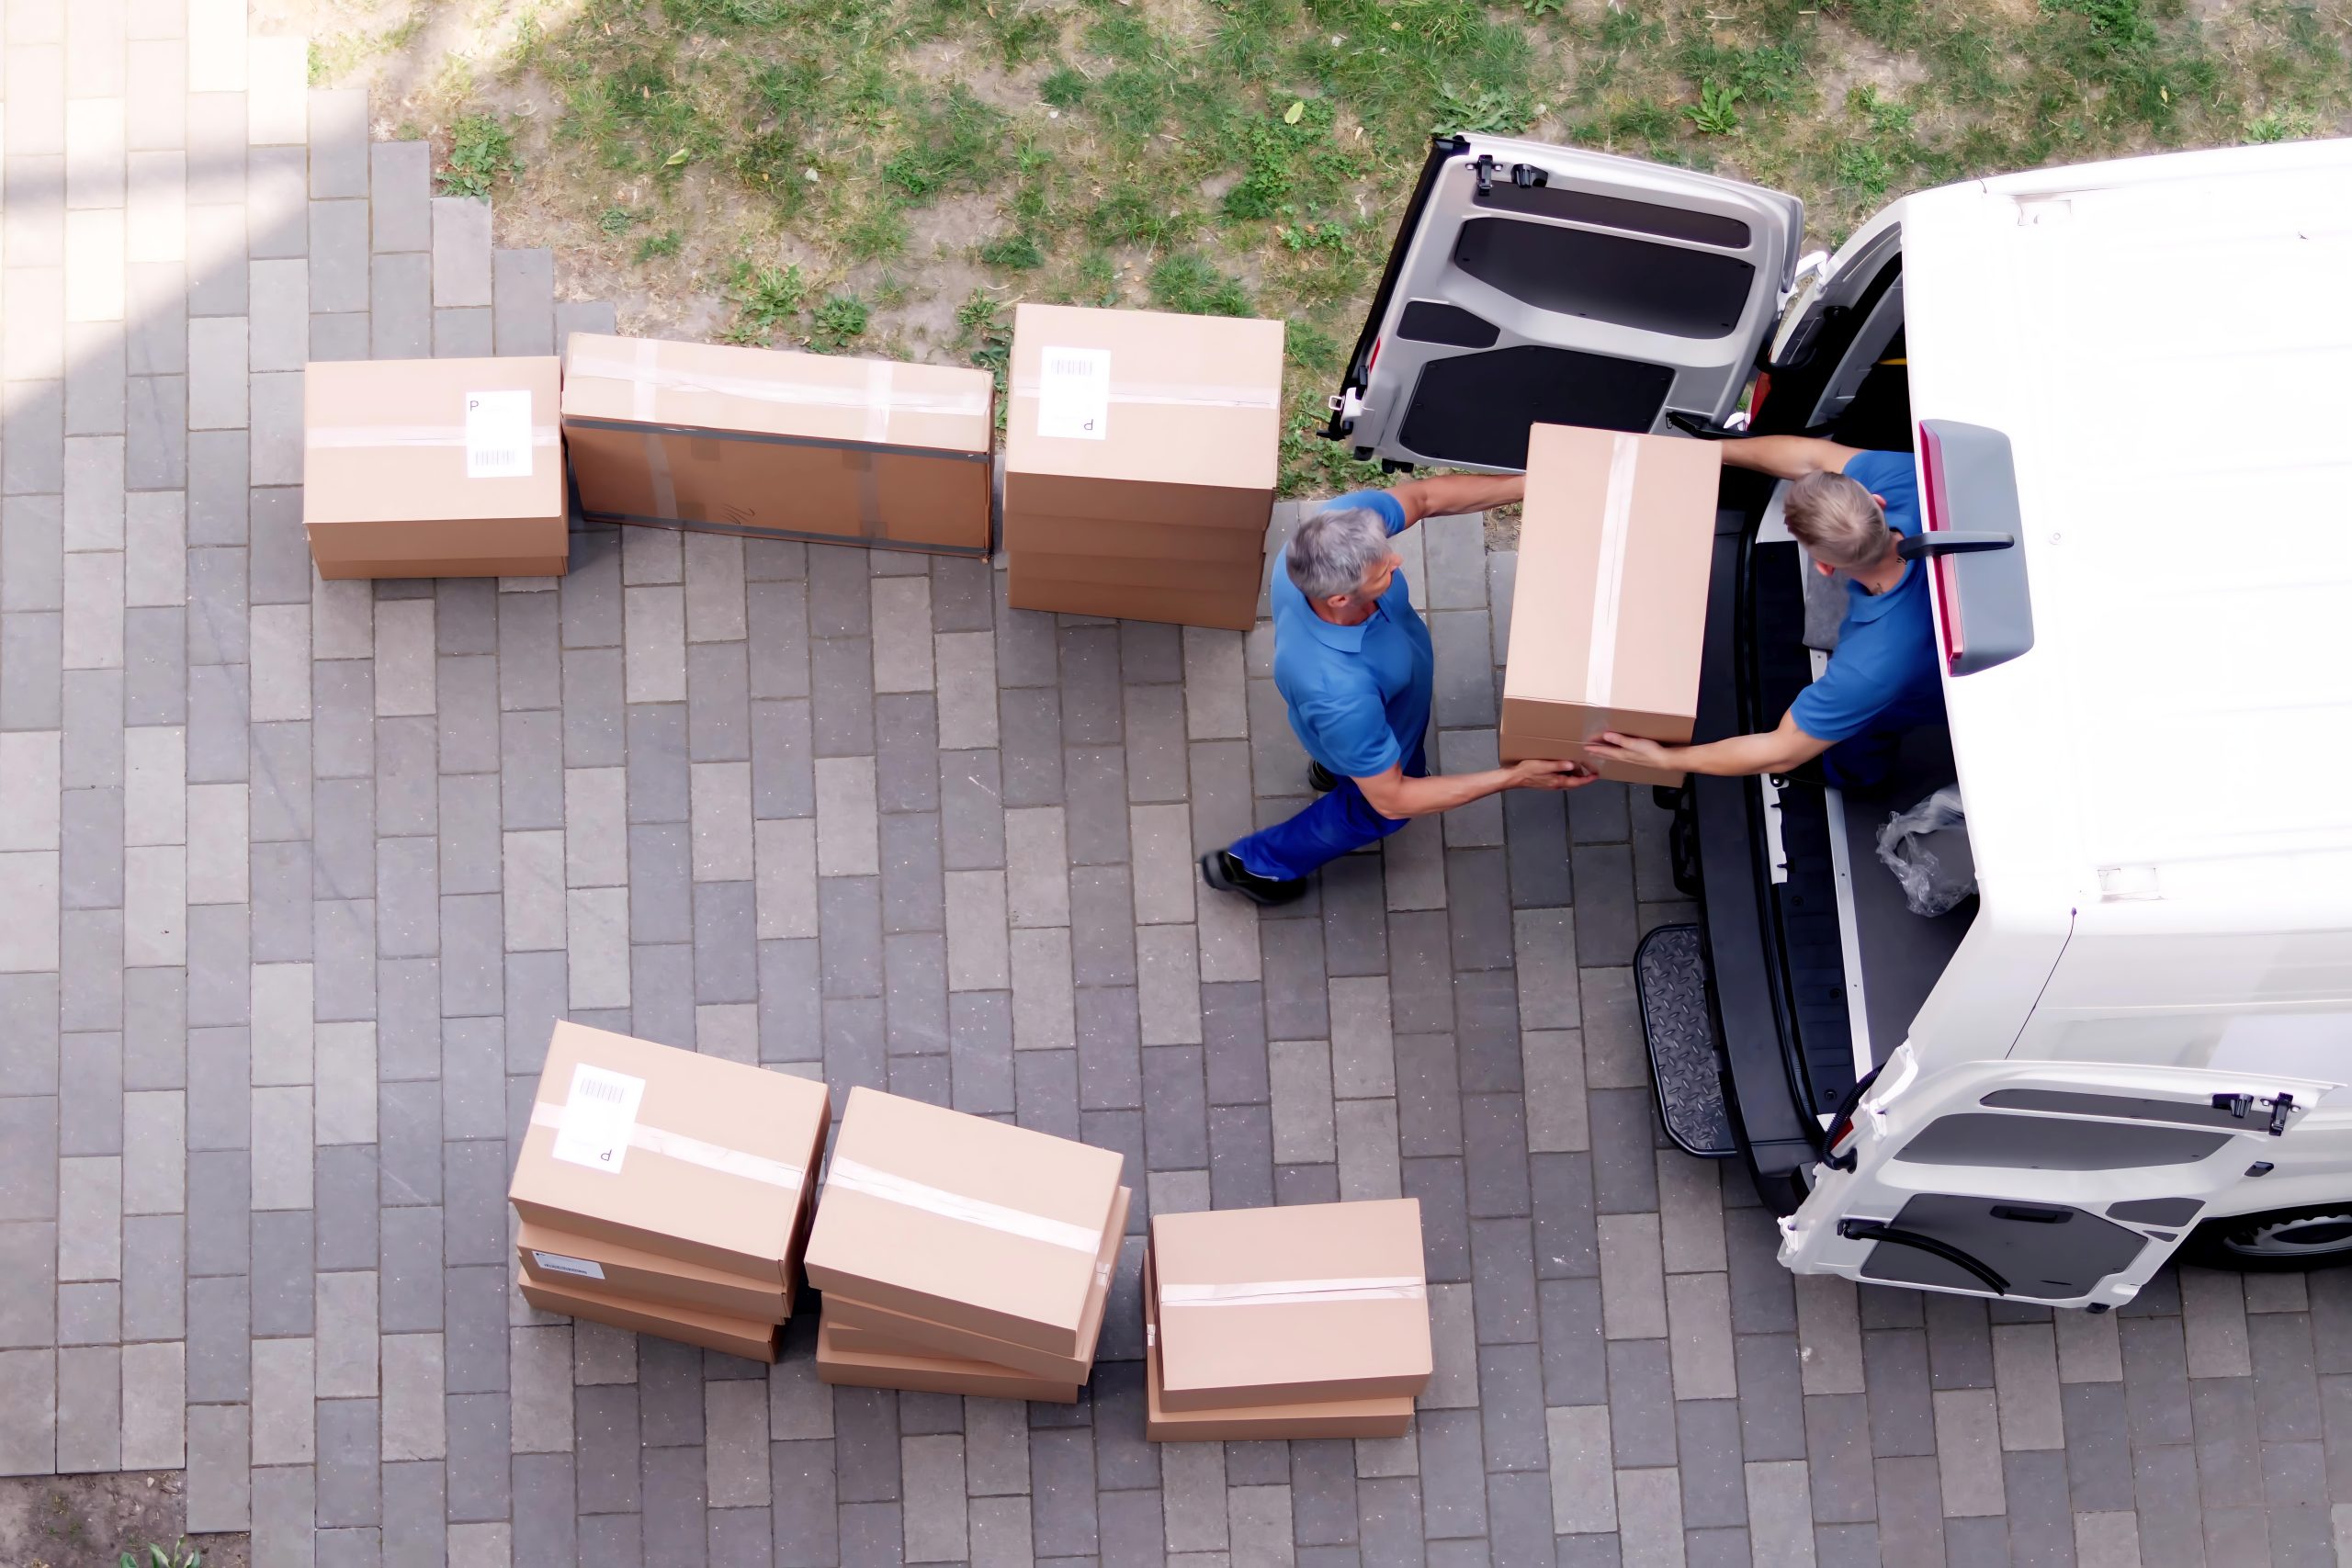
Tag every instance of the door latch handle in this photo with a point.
(1952, 542)
(2281, 1106)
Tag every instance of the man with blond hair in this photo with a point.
(1850, 509)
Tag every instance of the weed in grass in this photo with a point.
(950, 144)
(481, 152)
(1064, 87)
(875, 233)
(1717, 111)
(1015, 252)
(984, 335)
(656, 247)
(1138, 215)
(616, 221)
(2288, 125)
(1495, 110)
(838, 320)
(766, 296)
(1189, 283)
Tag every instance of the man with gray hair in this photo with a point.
(1850, 509)
(1353, 663)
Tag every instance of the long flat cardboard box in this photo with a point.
(749, 1337)
(1304, 1303)
(558, 1257)
(775, 445)
(842, 1367)
(921, 1335)
(1615, 544)
(1143, 416)
(441, 468)
(1386, 1417)
(1029, 535)
(963, 1221)
(672, 1153)
(1229, 609)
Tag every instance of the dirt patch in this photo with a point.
(89, 1522)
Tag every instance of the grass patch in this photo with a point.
(907, 169)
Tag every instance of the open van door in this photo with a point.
(1533, 283)
(2062, 1183)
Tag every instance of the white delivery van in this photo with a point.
(2124, 383)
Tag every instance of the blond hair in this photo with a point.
(1839, 521)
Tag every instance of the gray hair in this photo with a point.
(1333, 551)
(1839, 521)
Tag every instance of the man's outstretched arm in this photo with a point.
(1789, 456)
(1394, 795)
(1774, 751)
(1448, 495)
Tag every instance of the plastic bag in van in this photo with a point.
(1926, 848)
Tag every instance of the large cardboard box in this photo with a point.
(751, 1338)
(776, 445)
(1278, 1307)
(1227, 578)
(900, 1331)
(855, 1368)
(1030, 536)
(1615, 546)
(1233, 609)
(1385, 1418)
(1142, 417)
(556, 1258)
(963, 1221)
(433, 467)
(672, 1153)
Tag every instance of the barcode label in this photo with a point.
(498, 435)
(598, 1119)
(556, 1263)
(1074, 393)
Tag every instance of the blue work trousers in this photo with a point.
(1334, 824)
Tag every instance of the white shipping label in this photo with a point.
(1074, 393)
(498, 435)
(598, 1118)
(556, 1263)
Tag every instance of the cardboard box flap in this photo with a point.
(958, 1209)
(408, 440)
(714, 387)
(666, 1148)
(1305, 1294)
(1614, 542)
(1139, 395)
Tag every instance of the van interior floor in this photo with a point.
(1902, 954)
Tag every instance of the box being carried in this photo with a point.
(656, 1185)
(1140, 463)
(775, 445)
(1614, 548)
(433, 467)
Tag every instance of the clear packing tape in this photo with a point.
(1171, 394)
(693, 1151)
(1292, 1292)
(364, 437)
(852, 1176)
(1609, 572)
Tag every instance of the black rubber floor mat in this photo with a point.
(1670, 977)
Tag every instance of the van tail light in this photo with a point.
(1936, 508)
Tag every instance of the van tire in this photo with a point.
(2276, 1241)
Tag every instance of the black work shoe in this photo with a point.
(1320, 778)
(1222, 870)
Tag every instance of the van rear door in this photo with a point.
(1534, 284)
(2064, 1183)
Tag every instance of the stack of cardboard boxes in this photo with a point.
(667, 1192)
(1619, 532)
(1310, 1321)
(962, 1256)
(1140, 463)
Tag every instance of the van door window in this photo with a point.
(1607, 277)
(2047, 1252)
(2041, 1143)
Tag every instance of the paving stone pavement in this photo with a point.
(294, 876)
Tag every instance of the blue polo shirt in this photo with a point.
(1885, 675)
(1359, 696)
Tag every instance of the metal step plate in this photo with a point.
(1670, 977)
